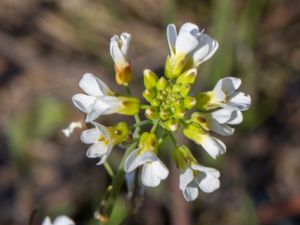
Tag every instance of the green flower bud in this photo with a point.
(179, 113)
(155, 102)
(172, 125)
(189, 102)
(149, 94)
(176, 88)
(162, 83)
(205, 101)
(151, 113)
(150, 79)
(188, 77)
(163, 114)
(185, 90)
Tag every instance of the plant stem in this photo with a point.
(117, 181)
(142, 123)
(109, 169)
(172, 138)
(155, 125)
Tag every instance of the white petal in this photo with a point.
(239, 101)
(229, 84)
(97, 150)
(208, 182)
(191, 192)
(105, 156)
(94, 86)
(222, 115)
(116, 53)
(92, 115)
(171, 36)
(213, 146)
(135, 160)
(47, 221)
(205, 50)
(190, 28)
(160, 169)
(63, 220)
(108, 105)
(236, 118)
(90, 136)
(102, 129)
(149, 175)
(185, 178)
(126, 38)
(208, 170)
(222, 129)
(84, 102)
(185, 43)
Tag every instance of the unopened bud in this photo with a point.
(150, 79)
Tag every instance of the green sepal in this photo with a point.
(205, 101)
(188, 77)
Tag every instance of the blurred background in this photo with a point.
(46, 46)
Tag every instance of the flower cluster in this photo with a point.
(170, 105)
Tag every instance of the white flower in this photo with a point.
(119, 49)
(153, 169)
(60, 220)
(218, 121)
(99, 99)
(101, 142)
(190, 41)
(196, 176)
(225, 94)
(213, 146)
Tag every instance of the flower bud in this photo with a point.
(172, 125)
(179, 113)
(163, 114)
(156, 102)
(162, 83)
(149, 94)
(151, 113)
(189, 102)
(185, 90)
(150, 79)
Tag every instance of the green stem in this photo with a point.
(142, 123)
(109, 169)
(155, 125)
(118, 181)
(172, 138)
